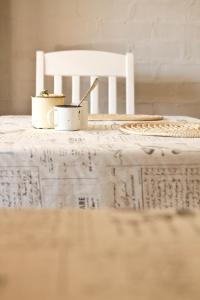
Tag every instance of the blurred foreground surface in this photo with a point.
(75, 254)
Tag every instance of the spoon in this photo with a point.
(89, 91)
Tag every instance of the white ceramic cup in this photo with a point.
(65, 117)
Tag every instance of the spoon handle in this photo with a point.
(89, 91)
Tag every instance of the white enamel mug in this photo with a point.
(65, 117)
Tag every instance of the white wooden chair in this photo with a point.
(88, 63)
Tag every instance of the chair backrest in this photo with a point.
(88, 63)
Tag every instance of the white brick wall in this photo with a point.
(164, 35)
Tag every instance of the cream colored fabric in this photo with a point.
(101, 167)
(99, 255)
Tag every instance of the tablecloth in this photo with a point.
(98, 168)
(78, 254)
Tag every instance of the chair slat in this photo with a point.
(130, 105)
(57, 85)
(94, 98)
(84, 63)
(75, 89)
(92, 64)
(112, 95)
(39, 72)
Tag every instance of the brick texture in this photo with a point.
(163, 34)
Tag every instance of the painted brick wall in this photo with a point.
(164, 35)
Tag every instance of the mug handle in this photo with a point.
(49, 117)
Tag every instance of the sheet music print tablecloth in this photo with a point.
(101, 167)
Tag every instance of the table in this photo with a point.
(98, 168)
(97, 255)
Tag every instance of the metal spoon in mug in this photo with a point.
(89, 91)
